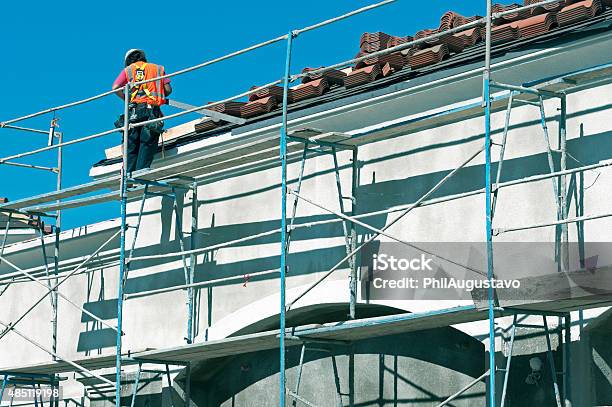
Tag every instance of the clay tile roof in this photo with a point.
(583, 10)
(259, 106)
(524, 24)
(231, 108)
(536, 25)
(334, 76)
(450, 19)
(554, 6)
(275, 92)
(310, 89)
(503, 33)
(454, 43)
(372, 42)
(206, 125)
(363, 75)
(396, 60)
(428, 56)
(469, 37)
(500, 8)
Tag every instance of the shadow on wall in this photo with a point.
(523, 390)
(584, 151)
(419, 368)
(601, 363)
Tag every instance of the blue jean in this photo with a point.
(142, 141)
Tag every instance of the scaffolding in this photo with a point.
(285, 146)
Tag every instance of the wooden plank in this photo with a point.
(18, 220)
(555, 292)
(235, 150)
(64, 193)
(342, 331)
(215, 349)
(91, 363)
(375, 327)
(370, 327)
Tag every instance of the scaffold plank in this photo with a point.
(370, 327)
(55, 367)
(64, 193)
(342, 331)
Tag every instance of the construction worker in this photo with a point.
(145, 102)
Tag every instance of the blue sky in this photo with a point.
(58, 52)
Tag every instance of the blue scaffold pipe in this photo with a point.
(283, 259)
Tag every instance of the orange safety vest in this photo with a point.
(151, 92)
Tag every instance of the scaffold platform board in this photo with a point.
(343, 331)
(340, 332)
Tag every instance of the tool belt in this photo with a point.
(140, 112)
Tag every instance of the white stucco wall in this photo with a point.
(393, 171)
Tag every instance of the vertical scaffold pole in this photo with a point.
(192, 259)
(567, 345)
(56, 249)
(126, 124)
(283, 259)
(136, 382)
(188, 385)
(4, 381)
(489, 230)
(353, 232)
(564, 253)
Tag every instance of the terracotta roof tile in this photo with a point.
(428, 56)
(231, 108)
(334, 77)
(450, 19)
(469, 37)
(396, 60)
(500, 8)
(372, 42)
(387, 70)
(206, 125)
(536, 25)
(523, 24)
(395, 41)
(374, 37)
(583, 10)
(275, 92)
(363, 75)
(310, 89)
(502, 33)
(259, 106)
(554, 6)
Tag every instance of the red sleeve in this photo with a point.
(163, 72)
(121, 79)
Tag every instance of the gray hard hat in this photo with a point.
(130, 52)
